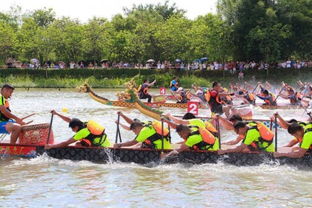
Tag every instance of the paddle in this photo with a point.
(279, 94)
(275, 121)
(218, 129)
(118, 130)
(27, 116)
(175, 96)
(50, 128)
(255, 88)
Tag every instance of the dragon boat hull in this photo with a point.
(145, 156)
(281, 107)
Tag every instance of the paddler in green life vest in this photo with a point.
(150, 135)
(252, 138)
(304, 136)
(190, 120)
(195, 138)
(9, 123)
(90, 134)
(285, 125)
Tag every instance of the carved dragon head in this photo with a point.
(84, 88)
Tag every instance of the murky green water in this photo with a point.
(46, 182)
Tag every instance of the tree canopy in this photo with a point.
(242, 30)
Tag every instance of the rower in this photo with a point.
(267, 97)
(248, 98)
(229, 125)
(143, 91)
(9, 123)
(195, 138)
(213, 98)
(304, 136)
(294, 97)
(182, 96)
(253, 139)
(174, 85)
(90, 134)
(150, 135)
(285, 125)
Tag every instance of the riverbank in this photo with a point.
(115, 78)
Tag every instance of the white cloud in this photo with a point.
(86, 9)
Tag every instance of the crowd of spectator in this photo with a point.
(227, 66)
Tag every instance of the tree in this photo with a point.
(7, 42)
(96, 39)
(43, 17)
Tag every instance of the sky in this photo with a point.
(86, 9)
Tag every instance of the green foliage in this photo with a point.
(267, 30)
(243, 30)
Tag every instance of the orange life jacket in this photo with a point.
(160, 133)
(96, 131)
(207, 136)
(208, 97)
(266, 135)
(209, 126)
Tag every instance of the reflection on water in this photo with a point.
(46, 182)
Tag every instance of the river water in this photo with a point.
(47, 182)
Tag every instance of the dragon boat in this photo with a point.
(34, 137)
(150, 157)
(129, 99)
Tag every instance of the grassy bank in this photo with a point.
(114, 78)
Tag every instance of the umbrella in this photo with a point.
(104, 60)
(178, 61)
(203, 59)
(150, 61)
(34, 60)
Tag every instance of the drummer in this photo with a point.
(9, 123)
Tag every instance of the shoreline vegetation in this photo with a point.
(115, 78)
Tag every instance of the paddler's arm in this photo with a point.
(127, 119)
(8, 114)
(125, 144)
(225, 123)
(292, 143)
(182, 148)
(235, 141)
(177, 120)
(282, 122)
(65, 118)
(295, 153)
(62, 144)
(123, 126)
(239, 148)
(152, 83)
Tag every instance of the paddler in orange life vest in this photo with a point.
(9, 123)
(90, 134)
(213, 98)
(285, 125)
(256, 137)
(248, 98)
(195, 138)
(148, 134)
(190, 120)
(228, 124)
(294, 97)
(143, 91)
(304, 136)
(267, 97)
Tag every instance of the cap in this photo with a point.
(8, 86)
